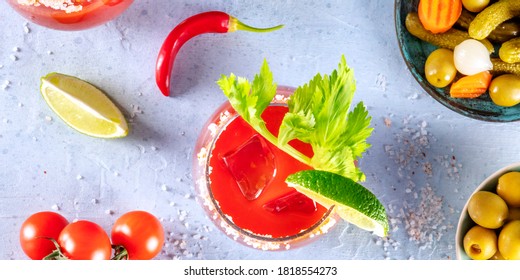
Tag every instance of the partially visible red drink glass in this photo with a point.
(70, 14)
(240, 181)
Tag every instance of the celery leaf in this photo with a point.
(319, 114)
(250, 100)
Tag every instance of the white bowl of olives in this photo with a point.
(489, 224)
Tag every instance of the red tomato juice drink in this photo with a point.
(240, 181)
(70, 14)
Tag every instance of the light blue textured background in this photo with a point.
(424, 162)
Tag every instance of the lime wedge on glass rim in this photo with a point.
(353, 202)
(83, 106)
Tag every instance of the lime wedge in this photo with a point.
(353, 202)
(82, 106)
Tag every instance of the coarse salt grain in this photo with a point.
(422, 211)
(6, 84)
(26, 28)
(381, 81)
(62, 5)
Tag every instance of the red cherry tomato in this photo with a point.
(85, 240)
(38, 230)
(140, 233)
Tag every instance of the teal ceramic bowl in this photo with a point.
(415, 52)
(465, 221)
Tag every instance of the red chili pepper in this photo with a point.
(207, 22)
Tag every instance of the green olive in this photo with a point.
(508, 188)
(487, 209)
(497, 256)
(480, 243)
(504, 90)
(475, 5)
(439, 68)
(509, 241)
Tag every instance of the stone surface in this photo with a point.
(424, 162)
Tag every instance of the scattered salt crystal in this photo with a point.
(16, 49)
(381, 81)
(55, 207)
(109, 212)
(94, 201)
(421, 215)
(135, 110)
(164, 187)
(182, 215)
(13, 57)
(187, 196)
(26, 28)
(154, 148)
(79, 177)
(413, 96)
(48, 118)
(172, 203)
(5, 85)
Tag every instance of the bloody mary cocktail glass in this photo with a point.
(70, 14)
(240, 181)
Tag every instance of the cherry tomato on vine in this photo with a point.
(85, 240)
(38, 230)
(140, 233)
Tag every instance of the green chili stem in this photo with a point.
(235, 24)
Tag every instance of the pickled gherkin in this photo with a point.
(501, 67)
(492, 16)
(449, 39)
(510, 51)
(502, 33)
